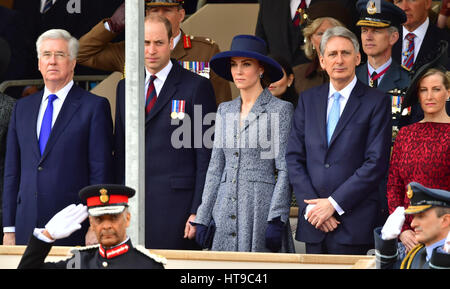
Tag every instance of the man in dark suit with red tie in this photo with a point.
(175, 164)
(338, 152)
(59, 141)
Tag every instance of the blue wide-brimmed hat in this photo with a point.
(246, 46)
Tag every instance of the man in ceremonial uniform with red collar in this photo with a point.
(107, 208)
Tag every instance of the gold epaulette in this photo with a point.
(156, 258)
(406, 263)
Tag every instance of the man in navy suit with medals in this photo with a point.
(174, 173)
(59, 141)
(338, 152)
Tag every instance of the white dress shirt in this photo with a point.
(161, 77)
(379, 69)
(57, 104)
(420, 35)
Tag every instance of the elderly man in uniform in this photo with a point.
(431, 224)
(97, 50)
(107, 207)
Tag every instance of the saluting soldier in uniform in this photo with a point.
(194, 52)
(107, 208)
(431, 223)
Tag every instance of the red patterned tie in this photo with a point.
(298, 15)
(408, 57)
(150, 99)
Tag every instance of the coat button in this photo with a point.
(233, 234)
(233, 217)
(327, 166)
(40, 168)
(105, 264)
(234, 181)
(236, 154)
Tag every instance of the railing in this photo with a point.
(77, 78)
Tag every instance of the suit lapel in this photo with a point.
(390, 79)
(321, 102)
(70, 106)
(350, 108)
(258, 108)
(36, 104)
(168, 90)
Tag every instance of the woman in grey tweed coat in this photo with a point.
(246, 190)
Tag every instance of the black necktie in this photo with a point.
(373, 82)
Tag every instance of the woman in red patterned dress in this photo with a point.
(421, 150)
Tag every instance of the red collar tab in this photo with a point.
(114, 252)
(187, 41)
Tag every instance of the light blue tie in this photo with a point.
(46, 125)
(333, 116)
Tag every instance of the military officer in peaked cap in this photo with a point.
(431, 223)
(107, 208)
(194, 52)
(380, 22)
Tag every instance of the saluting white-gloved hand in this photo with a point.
(66, 221)
(447, 244)
(393, 226)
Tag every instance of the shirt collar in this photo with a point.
(161, 75)
(61, 94)
(379, 69)
(432, 246)
(346, 91)
(419, 32)
(176, 39)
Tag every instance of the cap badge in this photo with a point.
(409, 193)
(104, 198)
(371, 8)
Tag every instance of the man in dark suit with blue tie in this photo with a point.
(177, 100)
(338, 152)
(59, 141)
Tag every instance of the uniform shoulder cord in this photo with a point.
(410, 257)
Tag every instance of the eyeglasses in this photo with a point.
(58, 55)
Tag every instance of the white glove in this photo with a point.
(393, 226)
(66, 221)
(447, 244)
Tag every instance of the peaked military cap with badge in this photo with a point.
(155, 3)
(423, 198)
(381, 14)
(106, 199)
